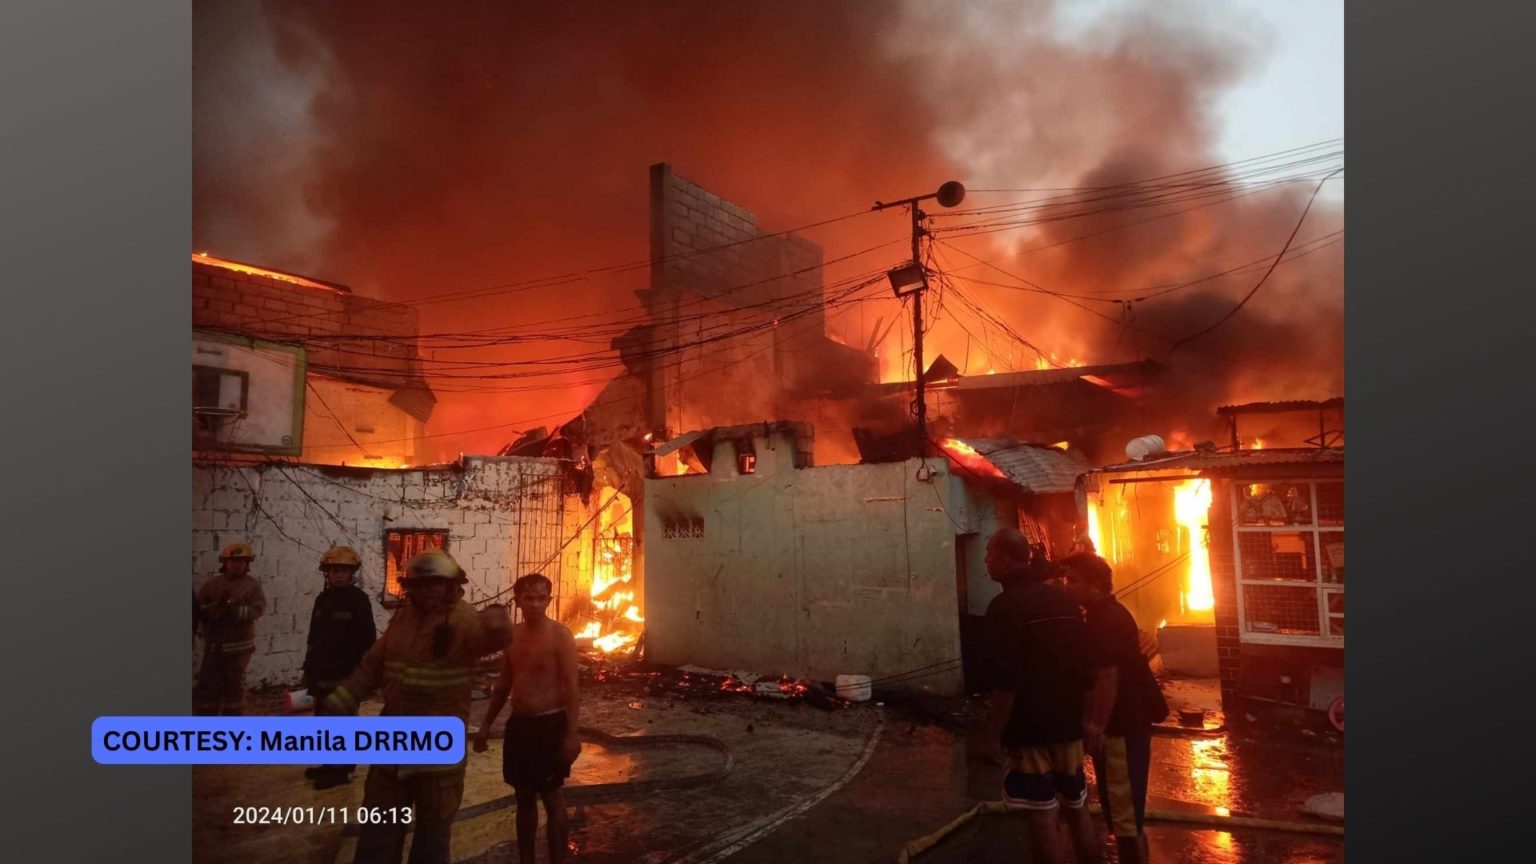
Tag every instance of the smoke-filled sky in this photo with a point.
(415, 152)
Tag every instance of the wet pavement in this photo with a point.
(671, 776)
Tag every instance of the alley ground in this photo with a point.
(685, 773)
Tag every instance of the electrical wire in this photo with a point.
(1262, 279)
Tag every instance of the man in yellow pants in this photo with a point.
(229, 604)
(425, 664)
(1122, 706)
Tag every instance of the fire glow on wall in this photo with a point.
(1146, 530)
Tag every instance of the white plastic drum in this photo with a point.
(1146, 445)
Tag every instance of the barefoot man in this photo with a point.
(539, 670)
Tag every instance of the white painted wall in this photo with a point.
(355, 424)
(270, 393)
(815, 572)
(292, 513)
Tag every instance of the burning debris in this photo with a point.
(691, 682)
(971, 460)
(610, 620)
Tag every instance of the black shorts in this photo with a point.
(530, 755)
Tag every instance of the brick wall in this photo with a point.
(291, 514)
(270, 308)
(1224, 591)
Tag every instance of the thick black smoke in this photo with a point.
(413, 151)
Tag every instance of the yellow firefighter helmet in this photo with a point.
(237, 550)
(340, 556)
(433, 564)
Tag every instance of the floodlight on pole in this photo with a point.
(912, 280)
(908, 279)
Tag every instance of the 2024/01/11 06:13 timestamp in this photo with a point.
(253, 815)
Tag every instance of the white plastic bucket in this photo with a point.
(1146, 445)
(298, 700)
(854, 688)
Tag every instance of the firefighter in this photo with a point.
(424, 664)
(230, 603)
(341, 631)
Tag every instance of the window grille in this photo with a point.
(400, 547)
(683, 529)
(1289, 545)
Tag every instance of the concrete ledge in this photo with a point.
(1189, 650)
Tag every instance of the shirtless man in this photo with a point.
(539, 671)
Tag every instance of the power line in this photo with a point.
(581, 275)
(1250, 160)
(521, 422)
(1262, 279)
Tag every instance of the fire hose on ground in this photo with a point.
(595, 792)
(1204, 820)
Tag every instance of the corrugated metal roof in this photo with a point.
(1280, 407)
(1229, 460)
(1115, 374)
(1035, 468)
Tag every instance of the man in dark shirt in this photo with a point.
(1040, 671)
(341, 631)
(1123, 705)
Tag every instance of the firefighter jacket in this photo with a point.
(424, 664)
(230, 607)
(340, 632)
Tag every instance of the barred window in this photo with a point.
(399, 547)
(1289, 544)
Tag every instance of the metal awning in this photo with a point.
(1033, 467)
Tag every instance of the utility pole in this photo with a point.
(920, 408)
(912, 279)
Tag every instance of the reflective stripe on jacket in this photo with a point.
(242, 602)
(414, 678)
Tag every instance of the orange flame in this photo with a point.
(615, 615)
(1096, 532)
(1191, 509)
(968, 457)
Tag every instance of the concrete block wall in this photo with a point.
(813, 572)
(270, 308)
(292, 513)
(690, 225)
(718, 274)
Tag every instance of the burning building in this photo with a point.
(1237, 554)
(288, 365)
(309, 403)
(736, 331)
(1076, 406)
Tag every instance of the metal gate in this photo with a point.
(540, 529)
